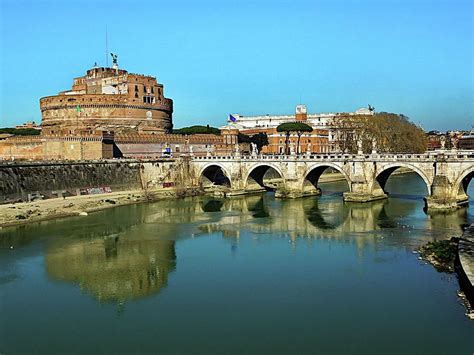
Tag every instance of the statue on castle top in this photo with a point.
(114, 58)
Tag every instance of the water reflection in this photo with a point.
(114, 268)
(129, 252)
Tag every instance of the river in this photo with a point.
(250, 274)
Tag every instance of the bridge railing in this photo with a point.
(429, 156)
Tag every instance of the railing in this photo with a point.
(448, 156)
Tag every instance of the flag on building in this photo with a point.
(78, 108)
(232, 118)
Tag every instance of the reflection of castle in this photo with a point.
(114, 268)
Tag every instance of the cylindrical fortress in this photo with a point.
(108, 99)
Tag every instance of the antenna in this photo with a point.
(106, 49)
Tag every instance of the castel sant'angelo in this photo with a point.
(111, 113)
(108, 99)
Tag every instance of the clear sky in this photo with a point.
(250, 57)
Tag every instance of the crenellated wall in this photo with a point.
(56, 148)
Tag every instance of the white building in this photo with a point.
(319, 121)
(316, 120)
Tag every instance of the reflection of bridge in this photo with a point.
(312, 218)
(446, 174)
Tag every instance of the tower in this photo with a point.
(301, 113)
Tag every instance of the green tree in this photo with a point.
(298, 127)
(260, 139)
(21, 131)
(197, 130)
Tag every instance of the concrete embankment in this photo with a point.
(466, 263)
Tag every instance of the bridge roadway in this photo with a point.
(446, 173)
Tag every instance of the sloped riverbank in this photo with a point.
(28, 212)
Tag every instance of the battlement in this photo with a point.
(104, 72)
(169, 138)
(99, 100)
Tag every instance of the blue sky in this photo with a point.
(251, 57)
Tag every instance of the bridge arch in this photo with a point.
(315, 171)
(383, 174)
(462, 183)
(257, 172)
(214, 174)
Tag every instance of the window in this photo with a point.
(136, 88)
(136, 95)
(152, 90)
(144, 88)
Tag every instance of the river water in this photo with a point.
(251, 274)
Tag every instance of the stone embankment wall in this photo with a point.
(466, 263)
(24, 181)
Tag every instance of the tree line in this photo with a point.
(21, 131)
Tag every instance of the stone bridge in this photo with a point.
(446, 174)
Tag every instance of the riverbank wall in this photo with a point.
(36, 191)
(465, 261)
(30, 181)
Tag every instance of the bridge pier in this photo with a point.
(443, 195)
(292, 189)
(361, 191)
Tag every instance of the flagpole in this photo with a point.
(106, 49)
